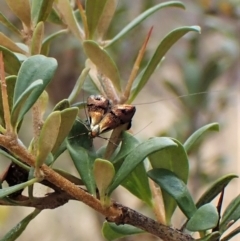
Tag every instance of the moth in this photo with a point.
(103, 116)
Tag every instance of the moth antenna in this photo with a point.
(181, 96)
(107, 139)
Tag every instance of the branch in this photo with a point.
(115, 213)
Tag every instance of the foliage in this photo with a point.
(125, 160)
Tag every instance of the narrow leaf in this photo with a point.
(94, 10)
(138, 155)
(37, 39)
(22, 10)
(137, 183)
(205, 218)
(9, 190)
(112, 231)
(210, 237)
(48, 137)
(215, 189)
(9, 44)
(175, 187)
(16, 231)
(9, 25)
(68, 117)
(231, 214)
(11, 62)
(46, 42)
(84, 165)
(103, 62)
(106, 17)
(19, 108)
(197, 134)
(34, 68)
(40, 10)
(174, 159)
(143, 16)
(66, 12)
(161, 50)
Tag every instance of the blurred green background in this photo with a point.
(197, 63)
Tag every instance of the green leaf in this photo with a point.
(231, 214)
(10, 81)
(9, 25)
(176, 188)
(34, 68)
(106, 18)
(55, 18)
(16, 231)
(9, 44)
(19, 108)
(138, 155)
(46, 42)
(210, 237)
(128, 144)
(174, 159)
(112, 231)
(11, 62)
(40, 10)
(103, 172)
(37, 39)
(94, 10)
(197, 134)
(143, 16)
(79, 145)
(84, 165)
(48, 137)
(68, 116)
(22, 10)
(66, 13)
(137, 183)
(161, 50)
(103, 62)
(215, 189)
(9, 190)
(205, 218)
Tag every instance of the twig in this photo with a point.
(6, 108)
(115, 213)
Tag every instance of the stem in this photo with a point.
(6, 108)
(115, 213)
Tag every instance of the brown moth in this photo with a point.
(117, 115)
(103, 117)
(97, 106)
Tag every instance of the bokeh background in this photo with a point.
(208, 63)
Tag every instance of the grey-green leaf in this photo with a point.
(16, 231)
(175, 187)
(94, 10)
(143, 16)
(40, 10)
(138, 155)
(174, 159)
(111, 231)
(11, 62)
(215, 189)
(34, 68)
(103, 62)
(197, 134)
(231, 214)
(9, 190)
(205, 218)
(19, 107)
(48, 137)
(161, 50)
